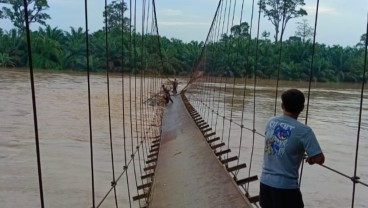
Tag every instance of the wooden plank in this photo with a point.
(156, 141)
(237, 167)
(206, 130)
(149, 175)
(213, 140)
(210, 134)
(142, 196)
(147, 185)
(222, 152)
(152, 167)
(197, 117)
(230, 159)
(198, 121)
(153, 155)
(246, 180)
(155, 145)
(218, 145)
(154, 150)
(253, 199)
(203, 126)
(201, 122)
(151, 161)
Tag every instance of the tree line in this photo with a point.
(232, 54)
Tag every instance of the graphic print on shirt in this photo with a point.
(277, 139)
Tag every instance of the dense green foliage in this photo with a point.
(232, 54)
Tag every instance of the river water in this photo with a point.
(64, 136)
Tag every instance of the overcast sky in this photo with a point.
(340, 21)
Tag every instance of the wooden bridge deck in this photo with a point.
(188, 174)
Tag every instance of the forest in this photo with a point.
(230, 54)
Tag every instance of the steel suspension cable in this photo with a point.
(210, 102)
(158, 37)
(224, 99)
(141, 104)
(221, 78)
(135, 87)
(123, 103)
(215, 41)
(89, 103)
(203, 48)
(355, 177)
(113, 183)
(280, 57)
(310, 79)
(254, 92)
(132, 53)
(218, 104)
(34, 103)
(244, 90)
(234, 82)
(206, 87)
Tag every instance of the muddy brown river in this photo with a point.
(62, 106)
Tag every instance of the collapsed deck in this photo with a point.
(188, 174)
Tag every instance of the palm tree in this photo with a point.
(74, 49)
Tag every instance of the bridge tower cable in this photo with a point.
(255, 91)
(142, 96)
(355, 178)
(221, 77)
(280, 57)
(244, 90)
(234, 82)
(225, 67)
(34, 103)
(89, 103)
(195, 68)
(214, 39)
(107, 57)
(125, 167)
(133, 10)
(311, 74)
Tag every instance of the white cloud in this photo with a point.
(172, 12)
(176, 23)
(328, 10)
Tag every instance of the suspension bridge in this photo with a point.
(195, 152)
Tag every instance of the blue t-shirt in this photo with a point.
(286, 141)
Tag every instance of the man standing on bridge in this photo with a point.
(175, 86)
(286, 142)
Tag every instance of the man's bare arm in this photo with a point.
(319, 159)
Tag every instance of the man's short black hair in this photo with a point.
(293, 101)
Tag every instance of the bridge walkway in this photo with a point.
(188, 174)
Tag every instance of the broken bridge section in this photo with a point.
(188, 173)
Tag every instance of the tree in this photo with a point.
(12, 48)
(74, 49)
(15, 12)
(279, 12)
(115, 11)
(304, 30)
(265, 35)
(240, 30)
(47, 47)
(361, 43)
